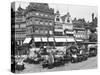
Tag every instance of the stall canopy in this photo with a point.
(79, 40)
(70, 39)
(44, 39)
(51, 39)
(37, 39)
(60, 39)
(70, 32)
(27, 40)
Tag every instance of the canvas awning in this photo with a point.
(59, 30)
(27, 40)
(51, 39)
(37, 39)
(79, 40)
(60, 39)
(70, 39)
(69, 32)
(44, 39)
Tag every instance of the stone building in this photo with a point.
(39, 23)
(80, 34)
(18, 26)
(80, 28)
(58, 27)
(68, 27)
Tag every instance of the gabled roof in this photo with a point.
(20, 11)
(44, 7)
(65, 16)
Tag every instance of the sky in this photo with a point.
(78, 11)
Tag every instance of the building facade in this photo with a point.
(40, 22)
(19, 26)
(58, 27)
(80, 34)
(68, 27)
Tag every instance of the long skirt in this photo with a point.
(20, 67)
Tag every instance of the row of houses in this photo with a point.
(41, 23)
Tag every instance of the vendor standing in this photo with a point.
(20, 65)
(50, 60)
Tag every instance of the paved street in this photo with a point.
(91, 63)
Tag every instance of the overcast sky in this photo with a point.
(78, 11)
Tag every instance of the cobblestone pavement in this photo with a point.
(91, 63)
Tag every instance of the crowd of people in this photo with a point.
(50, 57)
